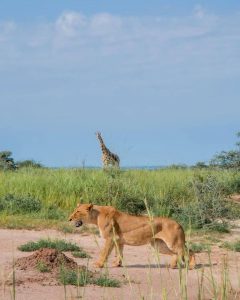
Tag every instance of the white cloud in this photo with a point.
(194, 40)
(199, 12)
(7, 28)
(102, 24)
(69, 23)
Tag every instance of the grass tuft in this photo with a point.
(80, 254)
(42, 267)
(72, 277)
(199, 247)
(105, 281)
(234, 246)
(60, 245)
(84, 277)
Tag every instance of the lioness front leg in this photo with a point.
(109, 244)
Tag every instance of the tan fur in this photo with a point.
(119, 229)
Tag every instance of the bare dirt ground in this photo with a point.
(142, 277)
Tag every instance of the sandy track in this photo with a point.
(143, 277)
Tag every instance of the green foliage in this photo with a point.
(16, 204)
(228, 159)
(52, 212)
(234, 246)
(194, 197)
(177, 166)
(83, 277)
(42, 267)
(105, 281)
(28, 164)
(6, 161)
(73, 277)
(199, 247)
(60, 245)
(80, 254)
(200, 165)
(209, 209)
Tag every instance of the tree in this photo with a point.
(28, 164)
(6, 161)
(228, 159)
(200, 165)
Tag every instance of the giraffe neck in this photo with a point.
(102, 145)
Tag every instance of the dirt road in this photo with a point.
(143, 277)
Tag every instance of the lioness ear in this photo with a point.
(78, 204)
(90, 206)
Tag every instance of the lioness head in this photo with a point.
(81, 214)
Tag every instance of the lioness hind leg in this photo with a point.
(166, 246)
(119, 254)
(186, 258)
(161, 246)
(190, 259)
(174, 262)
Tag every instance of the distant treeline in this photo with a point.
(7, 162)
(225, 160)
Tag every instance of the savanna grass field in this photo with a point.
(196, 198)
(36, 203)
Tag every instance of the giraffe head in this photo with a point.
(98, 134)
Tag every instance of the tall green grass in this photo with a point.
(191, 196)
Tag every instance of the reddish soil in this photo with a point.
(144, 275)
(52, 259)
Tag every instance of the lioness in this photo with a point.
(119, 229)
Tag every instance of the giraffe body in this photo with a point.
(109, 159)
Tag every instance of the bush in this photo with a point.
(52, 212)
(209, 210)
(28, 164)
(15, 204)
(6, 161)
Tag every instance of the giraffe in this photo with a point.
(108, 158)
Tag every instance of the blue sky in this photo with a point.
(160, 80)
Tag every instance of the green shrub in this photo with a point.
(6, 161)
(199, 247)
(28, 164)
(80, 254)
(60, 245)
(15, 204)
(73, 277)
(234, 246)
(52, 212)
(83, 277)
(209, 210)
(105, 281)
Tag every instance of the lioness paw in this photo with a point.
(116, 264)
(98, 264)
